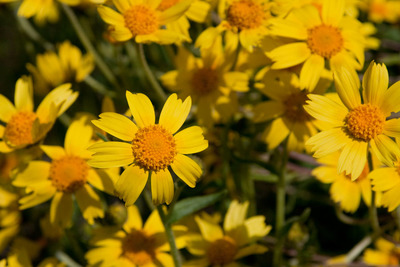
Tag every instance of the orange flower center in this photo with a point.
(140, 19)
(325, 40)
(165, 4)
(294, 110)
(222, 251)
(365, 122)
(154, 148)
(19, 128)
(205, 81)
(68, 173)
(245, 14)
(139, 248)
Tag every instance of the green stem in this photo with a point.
(88, 45)
(27, 27)
(150, 76)
(170, 236)
(280, 206)
(373, 214)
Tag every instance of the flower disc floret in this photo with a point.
(205, 81)
(140, 19)
(19, 128)
(293, 105)
(325, 40)
(222, 251)
(154, 148)
(68, 173)
(365, 122)
(245, 14)
(139, 247)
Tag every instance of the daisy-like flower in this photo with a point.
(52, 69)
(385, 254)
(67, 175)
(285, 109)
(243, 21)
(134, 244)
(345, 190)
(143, 21)
(318, 38)
(25, 127)
(150, 148)
(209, 81)
(222, 247)
(354, 125)
(382, 10)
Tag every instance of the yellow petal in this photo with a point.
(326, 109)
(61, 209)
(154, 224)
(198, 11)
(275, 133)
(39, 193)
(174, 113)
(175, 12)
(196, 244)
(251, 250)
(103, 180)
(7, 109)
(111, 154)
(89, 203)
(391, 99)
(54, 152)
(209, 231)
(391, 198)
(325, 174)
(186, 169)
(121, 34)
(288, 28)
(384, 178)
(267, 110)
(131, 183)
(162, 187)
(346, 83)
(78, 138)
(353, 158)
(141, 108)
(308, 15)
(190, 140)
(117, 125)
(392, 128)
(122, 5)
(346, 193)
(133, 220)
(35, 172)
(311, 72)
(110, 16)
(332, 11)
(375, 83)
(256, 228)
(385, 149)
(327, 142)
(235, 215)
(289, 55)
(24, 94)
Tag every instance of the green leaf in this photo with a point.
(191, 205)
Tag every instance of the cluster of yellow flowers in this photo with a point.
(253, 83)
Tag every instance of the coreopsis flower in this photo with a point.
(67, 176)
(356, 126)
(10, 216)
(223, 246)
(285, 109)
(244, 22)
(318, 38)
(143, 21)
(23, 126)
(53, 69)
(148, 148)
(135, 244)
(345, 191)
(209, 81)
(385, 254)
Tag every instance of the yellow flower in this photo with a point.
(355, 125)
(382, 10)
(222, 247)
(209, 81)
(135, 244)
(150, 148)
(143, 21)
(285, 109)
(10, 216)
(24, 126)
(67, 175)
(243, 21)
(386, 254)
(318, 38)
(68, 66)
(345, 190)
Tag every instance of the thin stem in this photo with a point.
(347, 219)
(88, 45)
(373, 214)
(27, 27)
(280, 205)
(98, 87)
(150, 76)
(170, 236)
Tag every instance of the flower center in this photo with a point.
(69, 173)
(140, 19)
(222, 251)
(165, 4)
(365, 122)
(19, 129)
(138, 247)
(154, 148)
(325, 40)
(245, 14)
(294, 110)
(205, 81)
